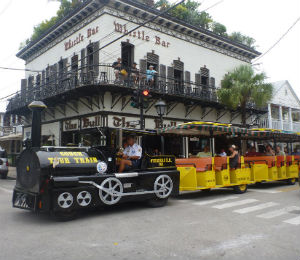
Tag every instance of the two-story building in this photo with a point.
(70, 69)
(283, 109)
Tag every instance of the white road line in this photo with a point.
(257, 207)
(207, 202)
(279, 212)
(293, 221)
(265, 191)
(233, 204)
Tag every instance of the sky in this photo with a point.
(264, 20)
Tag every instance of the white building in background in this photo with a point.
(284, 108)
(71, 71)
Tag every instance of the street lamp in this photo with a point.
(160, 107)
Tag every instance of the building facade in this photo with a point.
(283, 109)
(70, 69)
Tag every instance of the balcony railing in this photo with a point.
(104, 75)
(276, 124)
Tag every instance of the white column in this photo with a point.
(270, 116)
(280, 118)
(290, 119)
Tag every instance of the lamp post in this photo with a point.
(161, 109)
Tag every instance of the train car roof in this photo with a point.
(203, 129)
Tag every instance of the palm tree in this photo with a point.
(243, 86)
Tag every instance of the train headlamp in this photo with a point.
(101, 167)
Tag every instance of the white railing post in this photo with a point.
(269, 116)
(280, 118)
(290, 119)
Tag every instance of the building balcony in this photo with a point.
(276, 124)
(89, 81)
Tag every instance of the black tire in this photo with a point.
(240, 189)
(291, 181)
(157, 202)
(64, 216)
(4, 175)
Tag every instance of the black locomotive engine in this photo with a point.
(62, 180)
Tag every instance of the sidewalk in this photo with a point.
(12, 172)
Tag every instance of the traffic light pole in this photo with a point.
(141, 101)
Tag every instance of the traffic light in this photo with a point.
(135, 99)
(146, 93)
(145, 96)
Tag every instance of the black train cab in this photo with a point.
(62, 180)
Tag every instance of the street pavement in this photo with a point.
(262, 224)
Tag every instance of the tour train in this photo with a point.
(214, 172)
(63, 180)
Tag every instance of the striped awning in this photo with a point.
(275, 134)
(203, 129)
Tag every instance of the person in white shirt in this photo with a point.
(131, 155)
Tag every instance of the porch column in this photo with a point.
(290, 119)
(280, 118)
(270, 116)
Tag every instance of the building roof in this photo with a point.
(278, 86)
(140, 10)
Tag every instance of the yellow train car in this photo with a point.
(214, 172)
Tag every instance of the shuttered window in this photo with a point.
(152, 58)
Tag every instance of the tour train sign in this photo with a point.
(120, 28)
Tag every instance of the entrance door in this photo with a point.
(127, 54)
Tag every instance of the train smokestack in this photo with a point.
(36, 126)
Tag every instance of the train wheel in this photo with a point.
(163, 186)
(157, 202)
(291, 181)
(240, 188)
(112, 192)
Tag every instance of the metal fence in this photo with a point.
(105, 75)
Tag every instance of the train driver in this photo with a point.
(131, 156)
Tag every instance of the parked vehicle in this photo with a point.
(3, 164)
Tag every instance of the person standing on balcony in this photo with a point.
(117, 65)
(135, 73)
(150, 73)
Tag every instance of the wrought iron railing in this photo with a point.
(104, 75)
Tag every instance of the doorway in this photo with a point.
(127, 54)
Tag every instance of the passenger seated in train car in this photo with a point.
(269, 151)
(296, 151)
(156, 152)
(286, 151)
(252, 152)
(222, 153)
(233, 157)
(279, 151)
(205, 153)
(131, 156)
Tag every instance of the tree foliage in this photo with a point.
(187, 11)
(66, 6)
(242, 87)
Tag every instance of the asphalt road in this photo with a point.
(262, 224)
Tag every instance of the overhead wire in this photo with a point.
(281, 37)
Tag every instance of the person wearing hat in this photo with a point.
(234, 157)
(150, 73)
